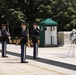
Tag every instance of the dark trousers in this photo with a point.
(35, 50)
(23, 52)
(4, 48)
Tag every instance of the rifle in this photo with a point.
(28, 41)
(10, 41)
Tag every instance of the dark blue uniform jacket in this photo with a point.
(23, 35)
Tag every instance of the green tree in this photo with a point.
(9, 10)
(62, 11)
(72, 16)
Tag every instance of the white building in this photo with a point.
(48, 36)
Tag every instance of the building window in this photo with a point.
(50, 28)
(53, 28)
(45, 28)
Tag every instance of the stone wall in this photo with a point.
(64, 38)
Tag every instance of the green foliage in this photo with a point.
(10, 12)
(62, 11)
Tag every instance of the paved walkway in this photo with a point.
(53, 61)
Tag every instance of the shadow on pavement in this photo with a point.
(47, 61)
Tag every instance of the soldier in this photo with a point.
(35, 37)
(23, 35)
(5, 37)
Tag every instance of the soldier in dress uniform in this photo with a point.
(35, 37)
(5, 37)
(23, 35)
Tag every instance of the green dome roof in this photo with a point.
(48, 22)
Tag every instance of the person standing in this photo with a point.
(35, 37)
(23, 35)
(5, 38)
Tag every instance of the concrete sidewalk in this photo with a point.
(53, 61)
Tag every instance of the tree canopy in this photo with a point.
(62, 11)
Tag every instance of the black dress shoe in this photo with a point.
(5, 56)
(24, 62)
(36, 58)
